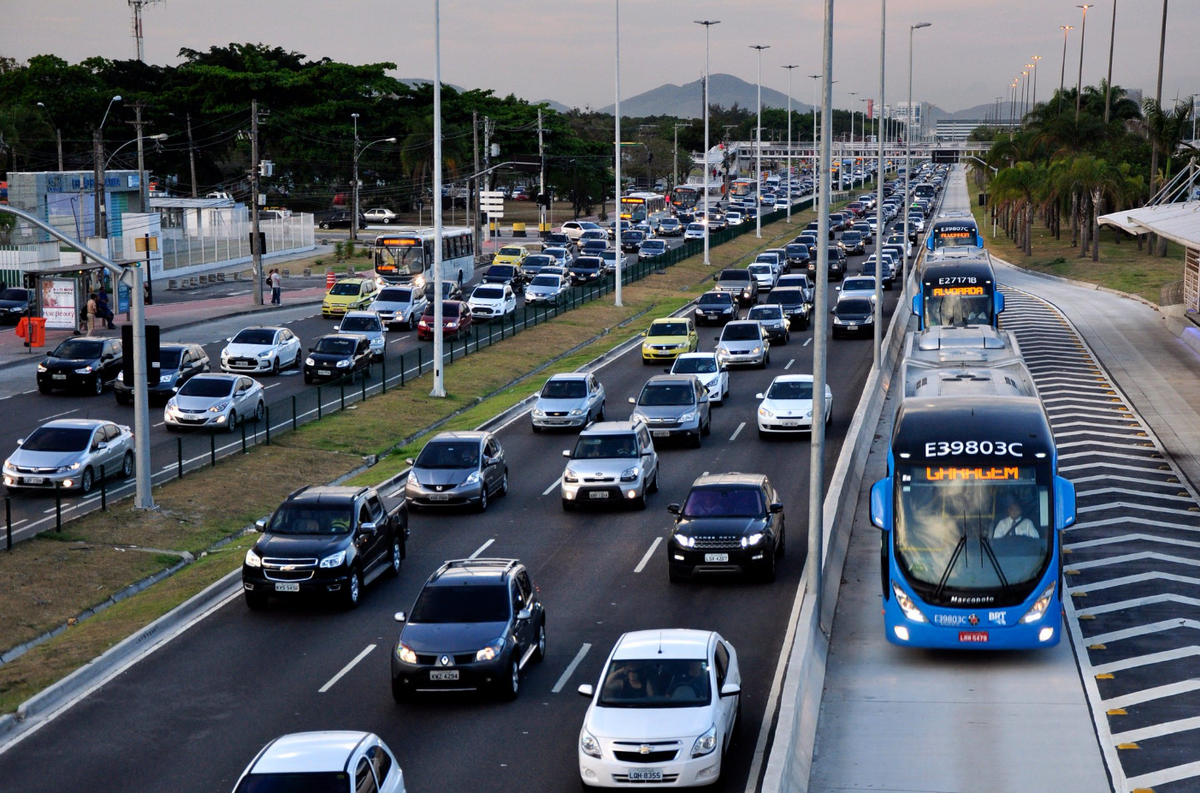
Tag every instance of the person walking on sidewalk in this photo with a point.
(91, 314)
(276, 287)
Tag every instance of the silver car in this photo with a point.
(70, 454)
(743, 343)
(367, 324)
(705, 367)
(774, 322)
(612, 461)
(457, 469)
(545, 289)
(215, 401)
(568, 400)
(400, 305)
(674, 406)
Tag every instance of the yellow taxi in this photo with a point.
(348, 294)
(667, 338)
(510, 254)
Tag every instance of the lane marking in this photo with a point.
(481, 549)
(56, 415)
(30, 391)
(333, 680)
(571, 667)
(272, 385)
(553, 485)
(733, 437)
(788, 365)
(808, 341)
(645, 559)
(159, 424)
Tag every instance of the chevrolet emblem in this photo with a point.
(644, 749)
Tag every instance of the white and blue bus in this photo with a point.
(405, 256)
(954, 232)
(958, 291)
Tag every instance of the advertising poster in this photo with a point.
(59, 304)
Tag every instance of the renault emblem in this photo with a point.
(445, 660)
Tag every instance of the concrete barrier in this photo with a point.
(221, 277)
(172, 283)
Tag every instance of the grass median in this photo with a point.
(54, 577)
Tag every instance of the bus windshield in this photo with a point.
(399, 259)
(963, 529)
(957, 305)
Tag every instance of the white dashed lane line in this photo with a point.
(333, 680)
(570, 670)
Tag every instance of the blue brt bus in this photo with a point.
(957, 292)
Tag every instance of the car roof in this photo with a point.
(353, 280)
(672, 643)
(670, 379)
(569, 376)
(459, 435)
(275, 328)
(309, 752)
(468, 572)
(364, 314)
(609, 428)
(217, 376)
(76, 423)
(793, 378)
(695, 355)
(327, 494)
(666, 320)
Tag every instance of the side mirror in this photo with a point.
(567, 453)
(409, 461)
(775, 508)
(759, 396)
(338, 328)
(368, 528)
(490, 461)
(20, 441)
(230, 339)
(999, 301)
(674, 509)
(524, 614)
(881, 503)
(260, 524)
(312, 349)
(1064, 502)
(917, 303)
(400, 616)
(730, 690)
(586, 691)
(632, 401)
(643, 333)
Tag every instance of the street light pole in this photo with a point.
(908, 158)
(707, 23)
(816, 102)
(879, 221)
(354, 187)
(617, 160)
(57, 134)
(758, 149)
(1033, 96)
(98, 221)
(1063, 74)
(439, 337)
(789, 68)
(1112, 42)
(675, 160)
(1082, 38)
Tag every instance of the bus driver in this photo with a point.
(1014, 523)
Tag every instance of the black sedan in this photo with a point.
(178, 363)
(14, 304)
(342, 220)
(730, 523)
(631, 241)
(586, 270)
(795, 305)
(509, 274)
(81, 364)
(853, 316)
(338, 355)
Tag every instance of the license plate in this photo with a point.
(661, 434)
(598, 494)
(852, 327)
(282, 587)
(323, 372)
(645, 775)
(33, 480)
(973, 637)
(58, 376)
(715, 558)
(438, 497)
(443, 674)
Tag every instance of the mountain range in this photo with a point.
(687, 101)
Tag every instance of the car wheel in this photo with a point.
(368, 371)
(511, 686)
(768, 569)
(536, 428)
(231, 425)
(399, 692)
(353, 590)
(673, 576)
(307, 379)
(98, 386)
(483, 499)
(600, 415)
(503, 491)
(787, 337)
(275, 366)
(707, 428)
(652, 487)
(260, 412)
(397, 557)
(324, 225)
(45, 389)
(256, 601)
(86, 481)
(127, 465)
(540, 652)
(640, 501)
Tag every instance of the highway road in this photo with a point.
(189, 717)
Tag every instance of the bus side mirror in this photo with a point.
(917, 303)
(1064, 503)
(999, 301)
(881, 503)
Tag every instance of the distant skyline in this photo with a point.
(544, 49)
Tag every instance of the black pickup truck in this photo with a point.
(328, 542)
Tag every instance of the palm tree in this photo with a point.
(1168, 129)
(1018, 188)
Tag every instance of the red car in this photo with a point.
(856, 207)
(456, 320)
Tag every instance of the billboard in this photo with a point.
(60, 305)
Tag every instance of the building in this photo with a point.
(918, 118)
(66, 200)
(959, 129)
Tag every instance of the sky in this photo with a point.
(564, 49)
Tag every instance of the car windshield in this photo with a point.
(206, 387)
(789, 296)
(564, 389)
(605, 447)
(797, 250)
(500, 271)
(168, 358)
(312, 782)
(587, 263)
(765, 312)
(355, 324)
(58, 439)
(858, 284)
(724, 502)
(734, 275)
(762, 269)
(298, 518)
(461, 603)
(395, 296)
(79, 349)
(256, 336)
(345, 288)
(699, 365)
(741, 331)
(332, 345)
(667, 394)
(510, 252)
(668, 329)
(488, 293)
(656, 683)
(715, 298)
(853, 307)
(790, 389)
(449, 310)
(449, 454)
(14, 294)
(545, 280)
(695, 227)
(653, 244)
(537, 261)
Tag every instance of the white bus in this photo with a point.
(405, 256)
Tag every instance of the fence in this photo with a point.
(181, 249)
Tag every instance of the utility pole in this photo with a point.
(675, 171)
(137, 6)
(617, 163)
(475, 182)
(1112, 42)
(255, 248)
(758, 149)
(143, 188)
(57, 134)
(354, 186)
(789, 142)
(542, 201)
(707, 23)
(880, 224)
(487, 161)
(191, 154)
(98, 183)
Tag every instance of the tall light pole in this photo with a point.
(98, 221)
(675, 161)
(354, 187)
(439, 380)
(908, 157)
(1024, 94)
(1112, 42)
(789, 68)
(758, 149)
(707, 23)
(617, 160)
(57, 134)
(816, 101)
(1066, 29)
(1082, 38)
(879, 221)
(1033, 96)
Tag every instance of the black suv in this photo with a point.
(338, 355)
(837, 263)
(475, 625)
(730, 523)
(327, 541)
(509, 274)
(586, 269)
(718, 307)
(81, 363)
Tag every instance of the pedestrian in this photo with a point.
(103, 310)
(276, 287)
(91, 314)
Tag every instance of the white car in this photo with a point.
(380, 215)
(733, 217)
(561, 256)
(343, 761)
(705, 367)
(694, 231)
(574, 228)
(765, 274)
(858, 286)
(261, 349)
(787, 405)
(489, 301)
(663, 712)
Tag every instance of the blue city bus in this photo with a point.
(954, 232)
(958, 292)
(972, 511)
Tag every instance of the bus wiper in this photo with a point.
(987, 547)
(958, 549)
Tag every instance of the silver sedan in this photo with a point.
(215, 401)
(71, 454)
(568, 400)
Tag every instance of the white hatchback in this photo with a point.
(333, 761)
(787, 405)
(490, 301)
(663, 713)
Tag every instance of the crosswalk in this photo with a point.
(1132, 563)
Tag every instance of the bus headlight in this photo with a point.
(906, 604)
(1038, 609)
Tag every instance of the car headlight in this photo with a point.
(472, 479)
(71, 467)
(84, 370)
(690, 416)
(412, 480)
(766, 413)
(342, 364)
(539, 413)
(405, 653)
(570, 476)
(253, 559)
(334, 559)
(753, 539)
(41, 367)
(685, 541)
(491, 650)
(1038, 609)
(577, 412)
(219, 407)
(588, 744)
(266, 354)
(705, 743)
(756, 351)
(630, 474)
(906, 604)
(309, 362)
